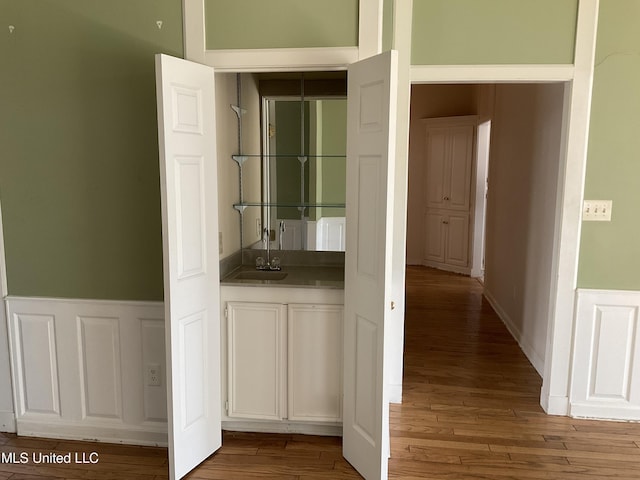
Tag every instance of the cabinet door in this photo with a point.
(457, 243)
(436, 152)
(256, 360)
(435, 236)
(458, 182)
(315, 363)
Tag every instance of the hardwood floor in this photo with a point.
(470, 411)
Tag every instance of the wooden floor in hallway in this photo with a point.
(470, 411)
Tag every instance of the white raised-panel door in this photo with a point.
(256, 350)
(315, 362)
(457, 249)
(189, 194)
(435, 236)
(458, 187)
(371, 114)
(437, 148)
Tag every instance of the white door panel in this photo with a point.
(458, 239)
(188, 175)
(435, 235)
(256, 350)
(436, 146)
(461, 158)
(372, 91)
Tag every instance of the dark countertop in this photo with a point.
(298, 276)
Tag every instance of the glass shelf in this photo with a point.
(241, 206)
(240, 159)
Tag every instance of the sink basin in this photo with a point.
(260, 275)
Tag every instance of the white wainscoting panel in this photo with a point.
(605, 380)
(80, 369)
(37, 372)
(99, 346)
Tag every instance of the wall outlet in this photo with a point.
(597, 210)
(153, 375)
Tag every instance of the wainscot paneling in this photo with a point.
(81, 369)
(605, 380)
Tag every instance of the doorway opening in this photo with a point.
(510, 238)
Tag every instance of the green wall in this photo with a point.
(281, 23)
(79, 180)
(610, 252)
(449, 32)
(288, 167)
(334, 142)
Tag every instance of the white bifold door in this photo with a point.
(371, 99)
(188, 170)
(189, 192)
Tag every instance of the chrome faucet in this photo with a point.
(282, 230)
(271, 264)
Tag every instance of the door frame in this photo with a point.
(578, 81)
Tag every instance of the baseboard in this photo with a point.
(447, 268)
(395, 393)
(332, 430)
(554, 405)
(605, 412)
(7, 422)
(525, 346)
(125, 434)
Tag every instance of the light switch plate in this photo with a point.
(597, 210)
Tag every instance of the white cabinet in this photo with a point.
(449, 165)
(315, 363)
(284, 361)
(256, 348)
(449, 154)
(447, 238)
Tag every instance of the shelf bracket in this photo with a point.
(239, 111)
(240, 159)
(240, 208)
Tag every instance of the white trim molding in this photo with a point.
(79, 369)
(282, 59)
(605, 380)
(491, 73)
(575, 136)
(369, 28)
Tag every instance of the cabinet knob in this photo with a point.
(446, 198)
(445, 222)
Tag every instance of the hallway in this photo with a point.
(470, 411)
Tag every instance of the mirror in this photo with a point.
(304, 170)
(294, 181)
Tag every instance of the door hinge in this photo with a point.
(226, 312)
(226, 406)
